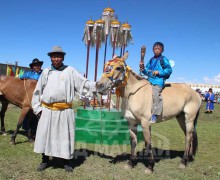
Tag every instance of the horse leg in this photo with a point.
(33, 121)
(27, 120)
(147, 138)
(194, 142)
(3, 110)
(187, 124)
(133, 143)
(24, 111)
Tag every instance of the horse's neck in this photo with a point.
(134, 82)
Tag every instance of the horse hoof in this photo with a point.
(31, 141)
(4, 134)
(12, 143)
(182, 166)
(127, 167)
(148, 171)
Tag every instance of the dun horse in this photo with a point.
(179, 101)
(18, 92)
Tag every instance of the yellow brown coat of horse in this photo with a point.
(179, 100)
(18, 92)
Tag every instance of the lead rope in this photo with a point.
(26, 92)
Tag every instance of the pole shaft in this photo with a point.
(87, 58)
(106, 38)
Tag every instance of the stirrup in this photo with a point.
(153, 119)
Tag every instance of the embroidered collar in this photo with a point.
(60, 68)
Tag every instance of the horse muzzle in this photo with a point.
(103, 88)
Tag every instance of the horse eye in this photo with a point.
(108, 69)
(118, 68)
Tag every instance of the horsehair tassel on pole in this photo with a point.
(126, 36)
(115, 35)
(143, 52)
(89, 40)
(107, 17)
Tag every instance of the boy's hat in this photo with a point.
(210, 89)
(56, 49)
(158, 44)
(35, 61)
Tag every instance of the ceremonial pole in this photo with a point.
(99, 38)
(89, 41)
(107, 17)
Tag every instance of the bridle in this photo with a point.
(110, 67)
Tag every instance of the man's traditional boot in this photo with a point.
(43, 165)
(67, 165)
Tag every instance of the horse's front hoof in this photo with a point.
(191, 158)
(128, 167)
(130, 164)
(148, 171)
(4, 134)
(12, 142)
(31, 140)
(182, 166)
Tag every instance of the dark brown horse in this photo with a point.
(17, 92)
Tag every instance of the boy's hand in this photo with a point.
(155, 73)
(141, 65)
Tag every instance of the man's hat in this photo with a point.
(56, 49)
(36, 61)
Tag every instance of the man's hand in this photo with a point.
(39, 115)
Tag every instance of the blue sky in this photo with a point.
(189, 29)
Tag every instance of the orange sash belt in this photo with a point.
(58, 105)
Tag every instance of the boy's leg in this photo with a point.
(157, 101)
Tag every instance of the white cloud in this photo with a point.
(212, 80)
(206, 80)
(217, 78)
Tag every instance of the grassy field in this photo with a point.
(107, 162)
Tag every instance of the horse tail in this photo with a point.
(195, 138)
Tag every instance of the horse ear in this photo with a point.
(125, 56)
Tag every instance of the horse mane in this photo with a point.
(138, 77)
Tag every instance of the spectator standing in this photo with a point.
(209, 97)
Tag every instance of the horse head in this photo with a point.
(114, 74)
